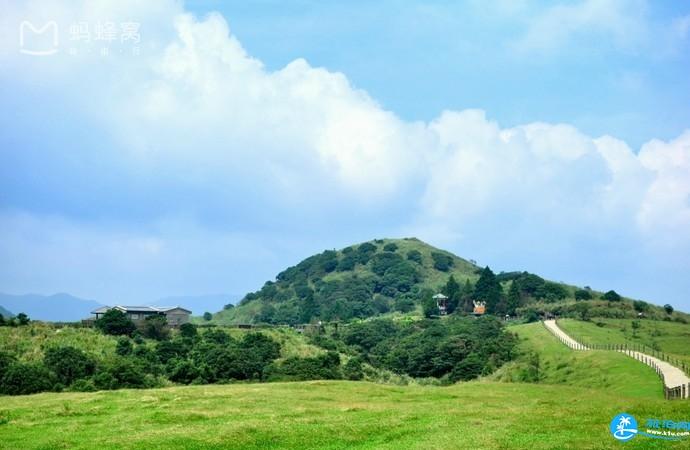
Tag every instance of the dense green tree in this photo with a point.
(347, 263)
(6, 360)
(156, 327)
(442, 261)
(188, 330)
(414, 256)
(551, 292)
(322, 367)
(612, 296)
(583, 294)
(668, 308)
(488, 289)
(22, 379)
(583, 310)
(466, 295)
(23, 319)
(124, 346)
(641, 306)
(429, 306)
(381, 262)
(452, 291)
(115, 322)
(390, 247)
(69, 364)
(514, 299)
(353, 370)
(404, 304)
(208, 316)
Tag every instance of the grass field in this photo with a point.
(671, 338)
(329, 415)
(612, 371)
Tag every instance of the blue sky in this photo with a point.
(237, 138)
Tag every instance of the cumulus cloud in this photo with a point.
(200, 133)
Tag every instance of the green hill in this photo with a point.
(330, 415)
(399, 275)
(362, 280)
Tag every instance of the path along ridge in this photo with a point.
(672, 376)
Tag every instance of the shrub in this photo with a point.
(116, 323)
(156, 327)
(352, 370)
(22, 319)
(124, 346)
(668, 308)
(208, 316)
(69, 364)
(390, 247)
(612, 296)
(414, 256)
(21, 379)
(322, 367)
(188, 330)
(442, 261)
(583, 294)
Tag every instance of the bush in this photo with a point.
(612, 296)
(69, 364)
(121, 373)
(668, 308)
(116, 323)
(22, 319)
(156, 327)
(22, 379)
(467, 369)
(414, 256)
(583, 294)
(188, 330)
(208, 316)
(352, 370)
(322, 367)
(391, 247)
(442, 261)
(124, 346)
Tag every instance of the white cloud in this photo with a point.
(202, 117)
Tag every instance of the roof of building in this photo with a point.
(439, 296)
(139, 309)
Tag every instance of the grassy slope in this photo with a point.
(560, 365)
(670, 337)
(28, 343)
(329, 415)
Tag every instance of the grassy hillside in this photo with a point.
(672, 338)
(29, 343)
(560, 365)
(329, 415)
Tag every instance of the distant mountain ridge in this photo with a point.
(54, 308)
(5, 313)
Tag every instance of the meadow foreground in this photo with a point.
(328, 414)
